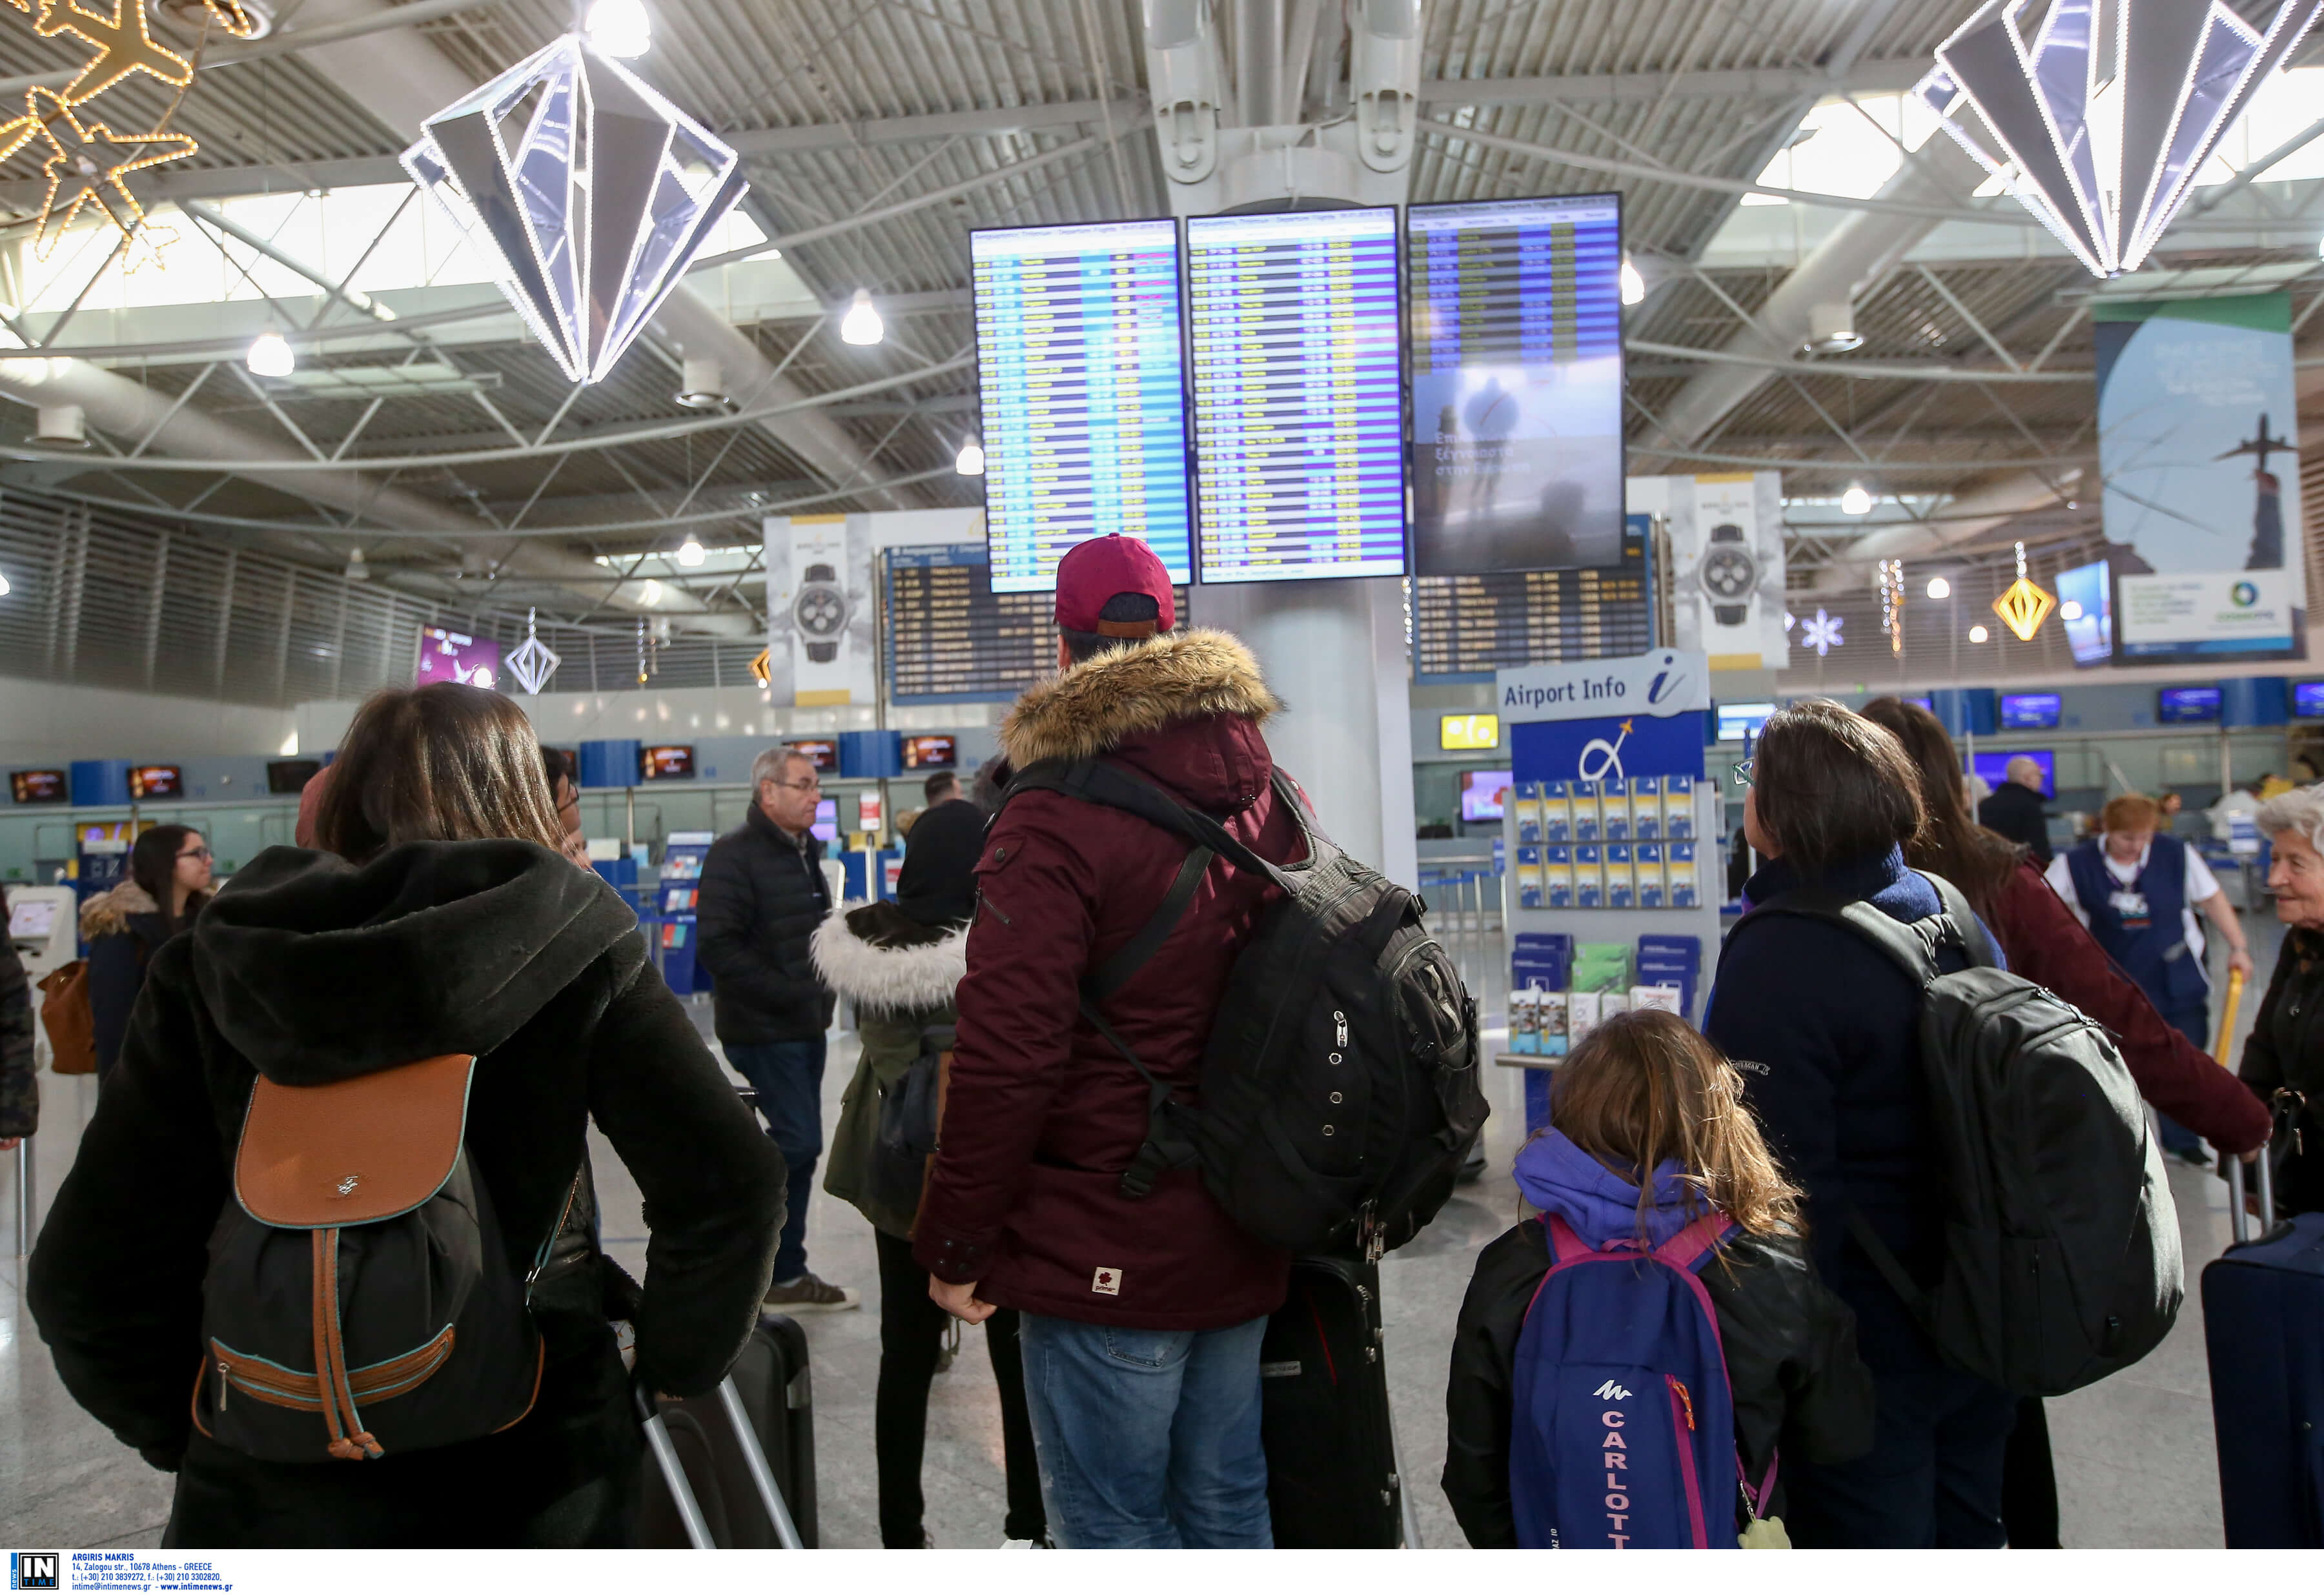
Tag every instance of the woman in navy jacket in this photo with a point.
(1824, 1030)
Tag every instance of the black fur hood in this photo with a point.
(317, 970)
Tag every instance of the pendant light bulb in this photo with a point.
(620, 29)
(971, 462)
(1856, 501)
(861, 323)
(271, 355)
(1634, 287)
(689, 552)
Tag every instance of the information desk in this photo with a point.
(1472, 625)
(1084, 386)
(1516, 384)
(1298, 406)
(951, 638)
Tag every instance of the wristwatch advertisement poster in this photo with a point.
(820, 610)
(1726, 557)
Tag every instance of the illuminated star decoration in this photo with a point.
(2100, 118)
(1821, 633)
(89, 166)
(123, 46)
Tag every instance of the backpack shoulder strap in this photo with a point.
(1109, 786)
(1911, 947)
(1694, 1245)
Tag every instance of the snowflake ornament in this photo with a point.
(1821, 633)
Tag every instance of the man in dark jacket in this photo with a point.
(2015, 810)
(1141, 1318)
(762, 895)
(20, 1086)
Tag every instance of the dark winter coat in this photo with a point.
(20, 1086)
(2049, 946)
(1043, 1114)
(2015, 811)
(2285, 1052)
(1825, 1030)
(1791, 1362)
(124, 929)
(309, 970)
(900, 975)
(762, 895)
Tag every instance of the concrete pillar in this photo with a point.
(1334, 653)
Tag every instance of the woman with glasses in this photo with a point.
(1825, 1032)
(169, 881)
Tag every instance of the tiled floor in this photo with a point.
(2135, 1461)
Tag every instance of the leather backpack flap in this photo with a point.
(355, 1151)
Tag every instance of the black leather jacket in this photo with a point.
(762, 896)
(1791, 1361)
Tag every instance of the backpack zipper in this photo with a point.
(549, 1241)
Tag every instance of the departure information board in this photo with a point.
(1083, 373)
(1298, 403)
(951, 638)
(1472, 625)
(1516, 384)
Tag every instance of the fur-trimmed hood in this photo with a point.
(1102, 703)
(886, 962)
(107, 913)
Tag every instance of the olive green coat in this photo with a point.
(900, 976)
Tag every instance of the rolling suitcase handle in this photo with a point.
(673, 1474)
(2239, 1224)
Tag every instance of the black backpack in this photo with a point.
(1338, 1088)
(2062, 1244)
(358, 1301)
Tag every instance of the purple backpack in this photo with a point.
(1622, 1433)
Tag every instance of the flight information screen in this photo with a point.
(952, 638)
(1083, 384)
(1516, 384)
(1473, 625)
(1298, 408)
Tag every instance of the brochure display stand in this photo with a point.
(676, 898)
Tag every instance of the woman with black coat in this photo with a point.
(441, 920)
(169, 881)
(1825, 1030)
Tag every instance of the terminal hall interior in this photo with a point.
(1553, 397)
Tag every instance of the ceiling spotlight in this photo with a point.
(1978, 633)
(619, 28)
(1856, 501)
(861, 323)
(65, 425)
(650, 594)
(704, 387)
(1831, 329)
(357, 570)
(1634, 287)
(270, 355)
(971, 462)
(3, 586)
(689, 552)
(1940, 588)
(2072, 610)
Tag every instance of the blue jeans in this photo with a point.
(788, 1075)
(1148, 1438)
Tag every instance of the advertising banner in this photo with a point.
(2196, 430)
(819, 607)
(1727, 564)
(1606, 719)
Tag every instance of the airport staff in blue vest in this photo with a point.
(2138, 891)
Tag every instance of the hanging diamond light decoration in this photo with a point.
(2101, 120)
(1891, 604)
(2023, 606)
(534, 661)
(591, 191)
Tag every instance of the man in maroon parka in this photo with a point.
(1141, 1317)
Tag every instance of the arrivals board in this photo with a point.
(1472, 625)
(1083, 374)
(1516, 384)
(1298, 402)
(951, 638)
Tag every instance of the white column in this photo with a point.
(1334, 653)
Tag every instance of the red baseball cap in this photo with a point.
(1094, 571)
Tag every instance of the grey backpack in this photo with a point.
(2061, 1244)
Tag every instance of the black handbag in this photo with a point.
(908, 1111)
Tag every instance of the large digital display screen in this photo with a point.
(1516, 384)
(1739, 723)
(289, 777)
(666, 763)
(1484, 794)
(39, 786)
(1298, 399)
(2307, 702)
(156, 780)
(2187, 705)
(2086, 606)
(445, 655)
(824, 753)
(2030, 711)
(1083, 377)
(1992, 767)
(928, 753)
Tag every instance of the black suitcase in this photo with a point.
(708, 1452)
(2262, 1303)
(1333, 1479)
